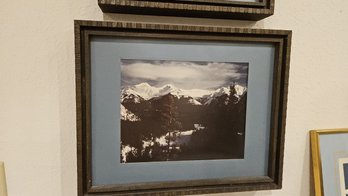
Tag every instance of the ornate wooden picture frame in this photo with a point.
(225, 9)
(108, 53)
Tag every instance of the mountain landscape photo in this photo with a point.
(182, 110)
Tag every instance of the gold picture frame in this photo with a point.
(317, 158)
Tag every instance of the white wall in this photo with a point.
(37, 93)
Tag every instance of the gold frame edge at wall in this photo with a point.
(316, 168)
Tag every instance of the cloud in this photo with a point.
(183, 74)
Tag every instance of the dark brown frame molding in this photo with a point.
(192, 8)
(281, 40)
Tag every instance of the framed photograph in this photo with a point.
(171, 109)
(329, 158)
(226, 9)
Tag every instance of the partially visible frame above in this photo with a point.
(224, 9)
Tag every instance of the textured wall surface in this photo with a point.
(37, 93)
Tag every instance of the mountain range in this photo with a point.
(143, 92)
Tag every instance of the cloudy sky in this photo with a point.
(183, 74)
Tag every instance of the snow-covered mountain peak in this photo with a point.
(169, 88)
(221, 91)
(145, 91)
(240, 90)
(143, 85)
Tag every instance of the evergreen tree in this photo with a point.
(232, 97)
(169, 120)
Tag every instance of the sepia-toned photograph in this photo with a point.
(182, 110)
